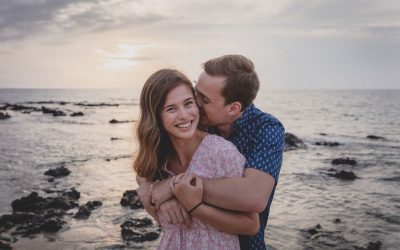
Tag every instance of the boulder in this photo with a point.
(85, 210)
(139, 230)
(114, 121)
(58, 172)
(77, 114)
(54, 112)
(344, 175)
(293, 142)
(372, 245)
(96, 104)
(131, 199)
(344, 161)
(327, 143)
(374, 137)
(5, 245)
(4, 116)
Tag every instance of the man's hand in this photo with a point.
(188, 189)
(144, 192)
(173, 212)
(161, 193)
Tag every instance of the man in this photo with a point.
(226, 90)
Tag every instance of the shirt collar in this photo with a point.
(244, 118)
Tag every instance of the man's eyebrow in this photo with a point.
(199, 92)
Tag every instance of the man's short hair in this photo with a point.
(241, 83)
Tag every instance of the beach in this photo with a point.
(350, 203)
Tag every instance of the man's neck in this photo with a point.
(226, 129)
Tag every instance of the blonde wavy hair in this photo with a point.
(154, 143)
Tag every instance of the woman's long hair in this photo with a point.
(154, 143)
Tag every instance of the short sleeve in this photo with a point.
(267, 148)
(230, 160)
(217, 158)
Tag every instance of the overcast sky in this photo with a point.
(119, 43)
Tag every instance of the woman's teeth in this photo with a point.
(184, 125)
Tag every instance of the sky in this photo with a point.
(294, 44)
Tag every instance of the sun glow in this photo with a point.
(126, 56)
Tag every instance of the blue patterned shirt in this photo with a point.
(260, 137)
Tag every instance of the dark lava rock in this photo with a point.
(40, 221)
(8, 221)
(54, 112)
(58, 172)
(49, 102)
(314, 230)
(374, 137)
(327, 143)
(139, 230)
(293, 142)
(77, 114)
(96, 104)
(32, 202)
(130, 199)
(83, 213)
(114, 121)
(4, 116)
(4, 245)
(71, 194)
(372, 245)
(94, 204)
(17, 107)
(34, 214)
(85, 210)
(344, 175)
(52, 225)
(344, 161)
(317, 238)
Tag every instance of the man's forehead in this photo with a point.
(209, 85)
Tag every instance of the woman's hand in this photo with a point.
(173, 212)
(188, 189)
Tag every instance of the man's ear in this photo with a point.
(235, 108)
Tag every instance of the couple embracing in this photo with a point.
(208, 160)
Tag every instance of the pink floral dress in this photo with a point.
(214, 158)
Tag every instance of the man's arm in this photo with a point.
(249, 193)
(189, 191)
(144, 192)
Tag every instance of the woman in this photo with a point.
(170, 144)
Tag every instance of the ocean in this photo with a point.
(350, 213)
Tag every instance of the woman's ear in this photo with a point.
(235, 108)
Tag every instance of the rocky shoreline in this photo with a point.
(35, 214)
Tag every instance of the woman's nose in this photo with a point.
(183, 113)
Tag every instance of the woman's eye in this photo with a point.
(170, 109)
(189, 103)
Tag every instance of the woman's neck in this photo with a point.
(184, 150)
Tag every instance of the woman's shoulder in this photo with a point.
(218, 144)
(216, 140)
(220, 157)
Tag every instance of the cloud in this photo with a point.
(22, 19)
